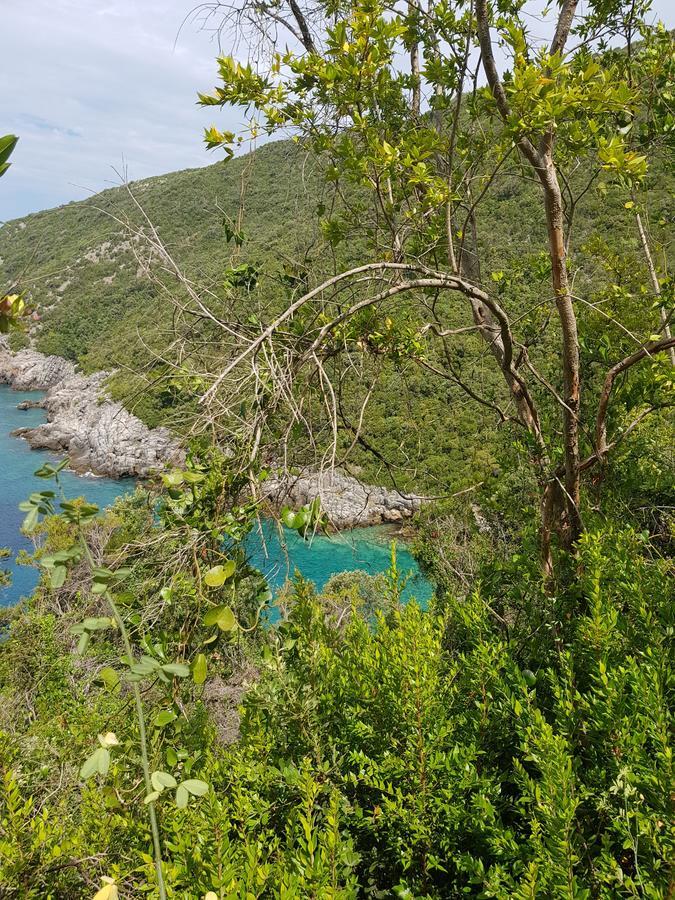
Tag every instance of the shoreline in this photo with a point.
(99, 435)
(103, 439)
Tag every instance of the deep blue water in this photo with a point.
(276, 555)
(17, 482)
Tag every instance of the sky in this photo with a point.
(100, 88)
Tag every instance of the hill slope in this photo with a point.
(80, 266)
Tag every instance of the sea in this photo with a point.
(278, 553)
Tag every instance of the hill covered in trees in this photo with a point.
(456, 279)
(90, 274)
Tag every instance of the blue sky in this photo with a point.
(95, 88)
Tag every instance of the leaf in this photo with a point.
(83, 643)
(174, 478)
(288, 517)
(193, 477)
(145, 666)
(171, 757)
(57, 577)
(182, 797)
(196, 787)
(164, 718)
(108, 891)
(151, 797)
(180, 670)
(199, 668)
(31, 519)
(218, 575)
(98, 762)
(161, 780)
(222, 616)
(97, 623)
(110, 679)
(7, 144)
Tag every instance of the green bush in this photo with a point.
(432, 755)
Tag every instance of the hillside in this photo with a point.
(78, 263)
(85, 274)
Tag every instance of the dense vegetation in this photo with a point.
(503, 744)
(480, 299)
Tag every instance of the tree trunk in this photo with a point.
(570, 350)
(665, 327)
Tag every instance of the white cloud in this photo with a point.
(94, 85)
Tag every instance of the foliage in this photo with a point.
(428, 754)
(7, 144)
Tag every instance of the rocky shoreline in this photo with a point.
(99, 435)
(346, 502)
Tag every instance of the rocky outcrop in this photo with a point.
(345, 501)
(102, 437)
(29, 370)
(99, 435)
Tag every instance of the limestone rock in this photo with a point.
(98, 435)
(29, 370)
(346, 502)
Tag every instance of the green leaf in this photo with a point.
(97, 623)
(83, 643)
(164, 718)
(174, 478)
(109, 678)
(171, 757)
(288, 517)
(145, 666)
(7, 144)
(222, 616)
(57, 577)
(196, 787)
(180, 670)
(97, 763)
(193, 477)
(31, 519)
(151, 797)
(162, 780)
(199, 668)
(218, 575)
(182, 797)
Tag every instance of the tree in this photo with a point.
(11, 305)
(390, 98)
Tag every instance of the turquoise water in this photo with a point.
(369, 549)
(17, 464)
(277, 555)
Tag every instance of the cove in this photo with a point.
(277, 555)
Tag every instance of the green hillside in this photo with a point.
(79, 265)
(78, 261)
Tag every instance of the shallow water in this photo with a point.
(368, 549)
(277, 555)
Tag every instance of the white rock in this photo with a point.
(98, 435)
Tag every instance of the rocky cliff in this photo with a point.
(98, 435)
(102, 437)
